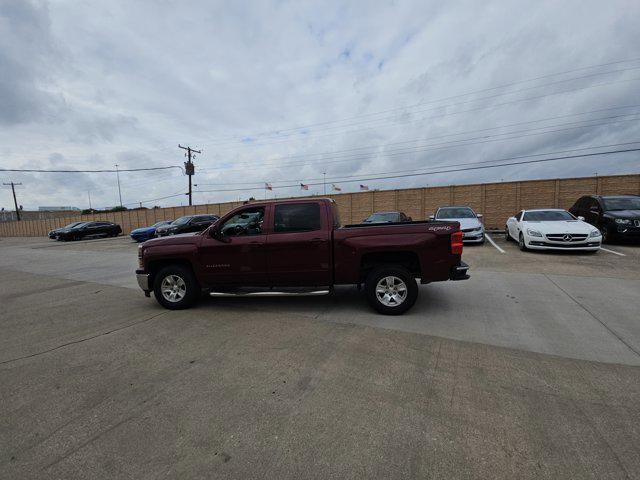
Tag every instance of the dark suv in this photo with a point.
(187, 224)
(616, 216)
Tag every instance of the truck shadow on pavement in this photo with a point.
(343, 303)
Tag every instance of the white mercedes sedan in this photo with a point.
(552, 229)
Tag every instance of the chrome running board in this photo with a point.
(313, 293)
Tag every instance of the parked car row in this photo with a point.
(591, 221)
(614, 217)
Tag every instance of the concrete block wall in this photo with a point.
(496, 201)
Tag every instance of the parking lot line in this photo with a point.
(486, 235)
(611, 251)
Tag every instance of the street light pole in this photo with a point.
(324, 182)
(119, 191)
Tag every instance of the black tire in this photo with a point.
(507, 237)
(192, 289)
(405, 276)
(521, 243)
(606, 235)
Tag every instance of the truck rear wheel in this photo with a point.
(391, 289)
(175, 287)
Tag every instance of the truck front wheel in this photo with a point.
(175, 287)
(391, 290)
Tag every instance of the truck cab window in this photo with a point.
(246, 222)
(297, 217)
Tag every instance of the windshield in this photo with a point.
(78, 225)
(383, 217)
(74, 224)
(462, 212)
(547, 216)
(181, 221)
(622, 203)
(159, 224)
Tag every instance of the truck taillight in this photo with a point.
(456, 243)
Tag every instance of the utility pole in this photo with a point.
(324, 182)
(89, 194)
(189, 167)
(15, 202)
(119, 191)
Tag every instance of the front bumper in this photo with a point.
(627, 232)
(144, 281)
(459, 272)
(473, 235)
(579, 246)
(139, 237)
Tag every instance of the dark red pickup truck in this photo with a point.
(299, 247)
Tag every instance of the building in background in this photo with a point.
(58, 209)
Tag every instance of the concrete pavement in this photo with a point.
(573, 305)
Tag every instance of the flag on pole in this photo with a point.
(304, 187)
(268, 186)
(336, 188)
(364, 187)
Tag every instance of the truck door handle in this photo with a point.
(317, 240)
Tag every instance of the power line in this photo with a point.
(386, 177)
(433, 146)
(297, 130)
(35, 170)
(475, 109)
(337, 179)
(458, 133)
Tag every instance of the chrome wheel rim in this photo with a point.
(173, 288)
(521, 242)
(391, 291)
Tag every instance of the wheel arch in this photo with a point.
(154, 266)
(404, 258)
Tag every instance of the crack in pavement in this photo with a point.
(82, 339)
(609, 329)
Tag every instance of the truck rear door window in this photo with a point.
(297, 217)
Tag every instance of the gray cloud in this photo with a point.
(26, 57)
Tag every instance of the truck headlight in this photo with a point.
(595, 233)
(623, 221)
(534, 233)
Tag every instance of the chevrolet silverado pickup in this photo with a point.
(299, 247)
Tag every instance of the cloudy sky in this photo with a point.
(284, 92)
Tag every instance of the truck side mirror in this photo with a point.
(214, 232)
(479, 215)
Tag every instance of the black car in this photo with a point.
(54, 233)
(90, 229)
(616, 216)
(187, 224)
(387, 217)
